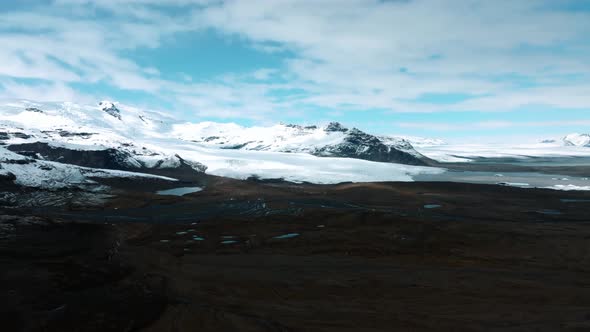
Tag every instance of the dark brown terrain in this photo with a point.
(368, 257)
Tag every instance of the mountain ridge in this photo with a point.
(114, 136)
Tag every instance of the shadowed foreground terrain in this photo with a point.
(350, 257)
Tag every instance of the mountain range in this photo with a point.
(52, 145)
(57, 140)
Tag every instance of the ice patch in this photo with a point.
(286, 236)
(568, 187)
(514, 184)
(179, 191)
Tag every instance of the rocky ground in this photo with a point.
(263, 256)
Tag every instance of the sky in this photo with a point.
(454, 69)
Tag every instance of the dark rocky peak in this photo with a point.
(110, 109)
(335, 126)
(290, 125)
(300, 127)
(191, 164)
(357, 136)
(360, 145)
(33, 109)
(65, 133)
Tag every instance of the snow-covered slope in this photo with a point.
(100, 136)
(29, 172)
(118, 137)
(332, 140)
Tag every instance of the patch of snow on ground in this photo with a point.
(568, 187)
(514, 184)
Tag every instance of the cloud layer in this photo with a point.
(345, 55)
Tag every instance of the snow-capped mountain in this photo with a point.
(332, 140)
(577, 140)
(98, 137)
(118, 137)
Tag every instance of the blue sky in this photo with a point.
(453, 69)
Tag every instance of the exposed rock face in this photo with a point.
(110, 109)
(335, 126)
(211, 138)
(107, 158)
(6, 177)
(301, 127)
(191, 164)
(64, 133)
(6, 135)
(33, 109)
(360, 145)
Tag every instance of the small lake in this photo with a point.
(179, 191)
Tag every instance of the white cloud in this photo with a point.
(345, 54)
(404, 49)
(44, 91)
